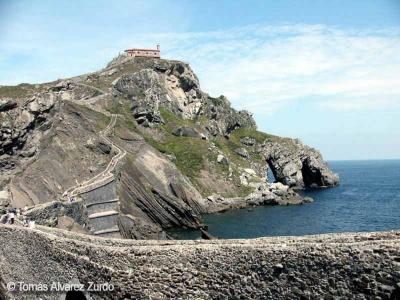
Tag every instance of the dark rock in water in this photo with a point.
(7, 104)
(186, 132)
(308, 200)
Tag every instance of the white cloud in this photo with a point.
(264, 67)
(362, 103)
(260, 68)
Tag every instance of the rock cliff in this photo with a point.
(171, 151)
(298, 165)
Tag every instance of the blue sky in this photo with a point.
(327, 72)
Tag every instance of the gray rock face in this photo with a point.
(223, 118)
(174, 86)
(298, 165)
(50, 214)
(21, 128)
(155, 196)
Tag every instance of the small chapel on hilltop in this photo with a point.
(137, 52)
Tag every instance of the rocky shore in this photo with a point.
(331, 266)
(264, 194)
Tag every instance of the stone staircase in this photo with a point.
(102, 205)
(99, 192)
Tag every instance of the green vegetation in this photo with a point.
(189, 152)
(19, 91)
(259, 136)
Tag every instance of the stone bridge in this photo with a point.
(332, 266)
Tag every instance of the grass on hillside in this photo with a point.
(189, 152)
(192, 154)
(18, 91)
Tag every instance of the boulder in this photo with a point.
(7, 104)
(186, 132)
(104, 147)
(248, 141)
(222, 159)
(249, 171)
(242, 152)
(62, 85)
(98, 146)
(278, 186)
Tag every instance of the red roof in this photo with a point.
(138, 49)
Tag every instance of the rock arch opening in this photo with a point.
(312, 177)
(270, 173)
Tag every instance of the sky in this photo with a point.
(327, 72)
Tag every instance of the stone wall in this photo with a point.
(336, 266)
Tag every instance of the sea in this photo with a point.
(367, 199)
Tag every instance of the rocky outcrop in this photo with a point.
(7, 104)
(264, 194)
(23, 123)
(154, 196)
(174, 86)
(186, 132)
(63, 159)
(57, 213)
(223, 118)
(298, 165)
(343, 266)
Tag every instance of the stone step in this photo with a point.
(103, 220)
(103, 214)
(108, 230)
(102, 207)
(102, 202)
(112, 235)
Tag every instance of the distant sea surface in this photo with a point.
(367, 199)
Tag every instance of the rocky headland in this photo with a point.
(140, 148)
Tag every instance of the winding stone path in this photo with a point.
(102, 213)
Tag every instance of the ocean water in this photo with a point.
(367, 199)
